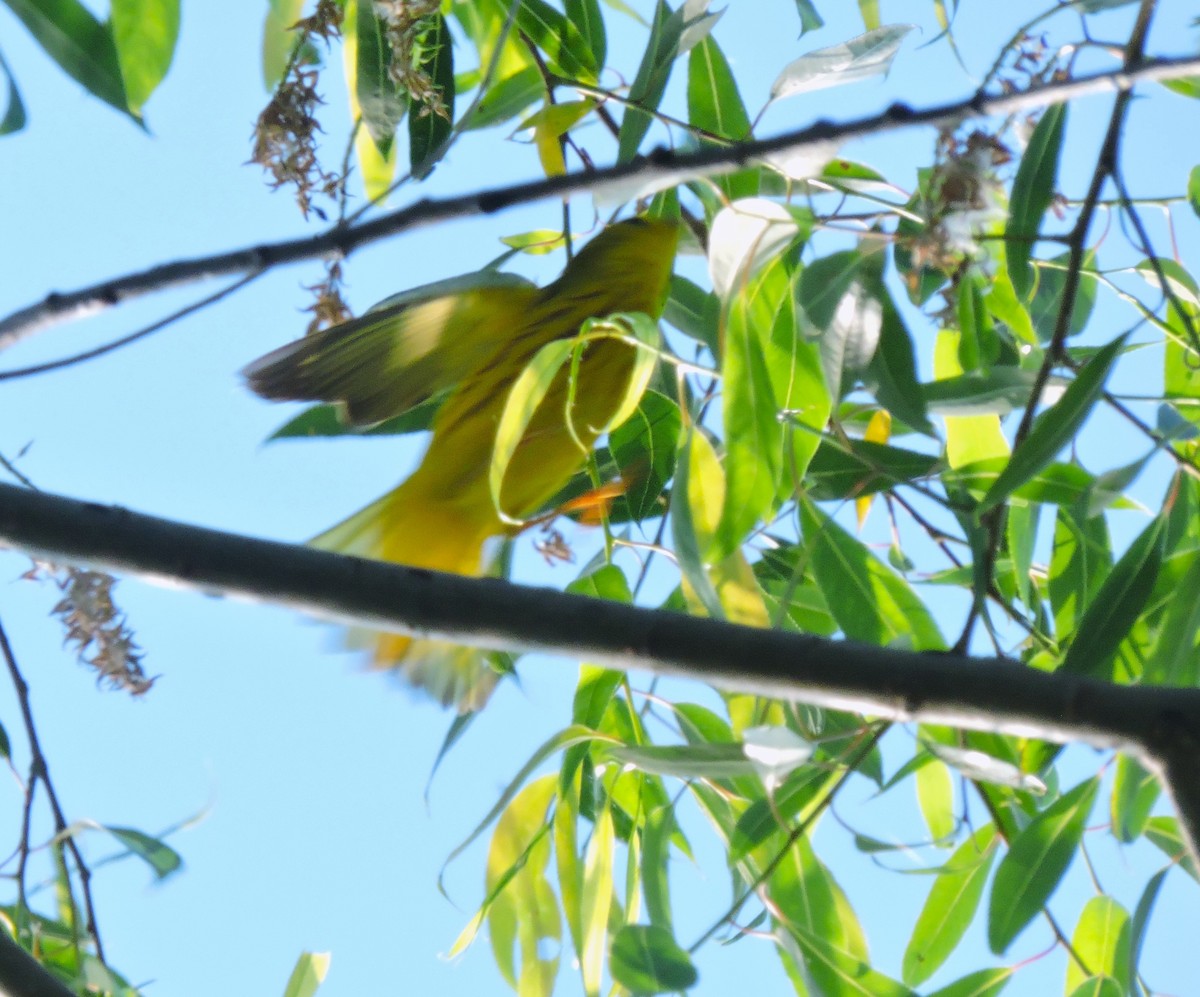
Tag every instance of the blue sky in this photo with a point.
(308, 774)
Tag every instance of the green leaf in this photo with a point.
(596, 901)
(1080, 562)
(521, 910)
(870, 602)
(651, 81)
(644, 447)
(1056, 427)
(753, 432)
(1173, 660)
(1036, 861)
(381, 102)
(810, 20)
(1164, 833)
(859, 58)
(308, 974)
(854, 468)
(145, 32)
(935, 797)
(696, 500)
(646, 959)
(1185, 86)
(429, 129)
(1193, 189)
(278, 39)
(14, 110)
(1047, 299)
(1134, 794)
(714, 103)
(1033, 190)
(971, 435)
(1111, 615)
(950, 907)
(565, 47)
(808, 899)
(325, 421)
(694, 312)
(81, 45)
(1056, 484)
(792, 801)
(1102, 942)
(686, 761)
(981, 983)
(1099, 986)
(163, 859)
(586, 16)
(566, 738)
(1141, 917)
(893, 370)
(838, 972)
(996, 391)
(506, 99)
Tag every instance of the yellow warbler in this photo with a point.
(471, 338)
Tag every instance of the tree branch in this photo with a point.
(22, 976)
(661, 166)
(932, 687)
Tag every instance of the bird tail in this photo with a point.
(406, 526)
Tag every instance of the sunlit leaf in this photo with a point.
(1118, 603)
(80, 44)
(859, 58)
(714, 103)
(696, 501)
(1056, 427)
(836, 971)
(586, 16)
(870, 601)
(145, 32)
(860, 467)
(810, 20)
(382, 103)
(596, 901)
(981, 983)
(308, 974)
(1164, 833)
(278, 39)
(428, 128)
(163, 859)
(1033, 189)
(1102, 941)
(935, 797)
(524, 927)
(649, 84)
(1048, 297)
(1036, 861)
(647, 960)
(950, 907)
(971, 437)
(13, 119)
(981, 767)
(744, 236)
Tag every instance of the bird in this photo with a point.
(468, 340)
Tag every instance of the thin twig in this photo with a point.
(133, 337)
(661, 164)
(39, 771)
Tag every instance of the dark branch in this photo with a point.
(662, 165)
(981, 693)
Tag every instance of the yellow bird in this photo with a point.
(471, 338)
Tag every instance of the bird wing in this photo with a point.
(401, 352)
